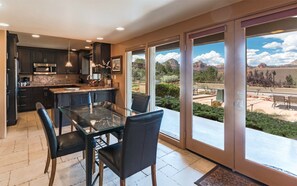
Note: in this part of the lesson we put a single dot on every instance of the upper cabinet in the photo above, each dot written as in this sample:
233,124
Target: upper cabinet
101,51
41,55
25,63
62,58
79,60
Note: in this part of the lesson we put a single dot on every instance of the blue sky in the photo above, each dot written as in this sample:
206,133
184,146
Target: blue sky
274,50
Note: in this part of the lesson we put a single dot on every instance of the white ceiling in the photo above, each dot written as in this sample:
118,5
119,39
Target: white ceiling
89,19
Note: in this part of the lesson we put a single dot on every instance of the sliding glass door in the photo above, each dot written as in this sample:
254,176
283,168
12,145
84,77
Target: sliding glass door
266,87
209,131
165,85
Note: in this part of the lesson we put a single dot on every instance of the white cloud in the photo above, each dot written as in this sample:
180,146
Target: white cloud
254,58
134,57
285,50
172,55
211,58
289,40
273,45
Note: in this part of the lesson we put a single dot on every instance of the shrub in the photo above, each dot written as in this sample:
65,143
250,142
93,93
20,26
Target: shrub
259,121
216,104
170,79
164,89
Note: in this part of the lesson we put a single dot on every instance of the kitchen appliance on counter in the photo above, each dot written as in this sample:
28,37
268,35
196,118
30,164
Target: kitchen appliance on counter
44,68
24,81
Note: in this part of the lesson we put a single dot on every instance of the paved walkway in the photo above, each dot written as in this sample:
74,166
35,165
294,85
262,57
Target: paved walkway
271,150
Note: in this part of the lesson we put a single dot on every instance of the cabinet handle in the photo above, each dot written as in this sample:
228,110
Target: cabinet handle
23,105
23,90
23,96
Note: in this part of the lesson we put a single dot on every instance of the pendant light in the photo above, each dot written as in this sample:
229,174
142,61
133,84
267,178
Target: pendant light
68,64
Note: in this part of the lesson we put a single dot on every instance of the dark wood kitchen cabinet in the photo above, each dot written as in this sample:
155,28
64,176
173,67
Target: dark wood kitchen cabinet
62,58
25,63
41,55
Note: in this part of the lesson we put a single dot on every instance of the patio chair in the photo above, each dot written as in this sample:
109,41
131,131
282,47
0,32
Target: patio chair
291,99
278,99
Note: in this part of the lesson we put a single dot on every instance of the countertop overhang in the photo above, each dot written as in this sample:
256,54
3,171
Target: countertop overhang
80,89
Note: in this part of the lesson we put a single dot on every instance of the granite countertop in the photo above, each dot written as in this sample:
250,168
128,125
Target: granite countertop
85,88
55,85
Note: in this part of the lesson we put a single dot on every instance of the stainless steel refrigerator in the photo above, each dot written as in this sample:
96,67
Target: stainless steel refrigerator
11,79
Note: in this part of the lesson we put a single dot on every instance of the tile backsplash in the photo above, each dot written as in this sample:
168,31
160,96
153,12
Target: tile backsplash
53,79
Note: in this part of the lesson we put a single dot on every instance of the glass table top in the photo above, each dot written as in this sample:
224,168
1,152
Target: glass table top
101,117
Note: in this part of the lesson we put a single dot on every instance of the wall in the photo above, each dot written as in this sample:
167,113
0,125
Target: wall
3,83
235,11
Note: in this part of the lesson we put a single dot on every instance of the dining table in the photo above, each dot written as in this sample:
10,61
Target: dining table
95,120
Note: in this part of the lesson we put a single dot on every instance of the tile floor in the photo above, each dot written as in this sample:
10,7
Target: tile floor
23,155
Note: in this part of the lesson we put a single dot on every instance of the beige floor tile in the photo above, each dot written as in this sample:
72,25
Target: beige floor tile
69,173
187,176
4,178
162,179
13,166
203,165
25,174
169,170
37,156
166,147
44,180
178,160
13,158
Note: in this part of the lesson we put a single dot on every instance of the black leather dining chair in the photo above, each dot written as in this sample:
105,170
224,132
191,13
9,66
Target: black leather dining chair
138,149
58,146
139,104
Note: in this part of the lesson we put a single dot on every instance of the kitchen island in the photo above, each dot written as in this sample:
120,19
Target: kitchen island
78,96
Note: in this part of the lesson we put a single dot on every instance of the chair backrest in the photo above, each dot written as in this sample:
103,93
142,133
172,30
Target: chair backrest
140,102
48,129
80,99
140,142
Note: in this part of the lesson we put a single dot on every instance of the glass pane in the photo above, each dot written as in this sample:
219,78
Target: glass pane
138,72
208,90
271,97
167,74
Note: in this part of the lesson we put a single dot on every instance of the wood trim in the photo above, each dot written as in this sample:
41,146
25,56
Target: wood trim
270,17
164,41
135,48
3,43
207,32
171,140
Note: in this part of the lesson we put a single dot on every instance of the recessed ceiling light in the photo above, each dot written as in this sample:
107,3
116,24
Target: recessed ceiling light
120,28
35,35
0,4
73,49
4,24
87,47
100,38
88,41
277,31
295,16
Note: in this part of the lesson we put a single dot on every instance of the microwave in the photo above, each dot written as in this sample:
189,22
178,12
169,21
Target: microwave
44,68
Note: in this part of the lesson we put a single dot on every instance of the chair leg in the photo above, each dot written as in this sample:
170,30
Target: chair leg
93,163
84,154
154,179
123,182
53,172
107,138
47,161
100,173
71,127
